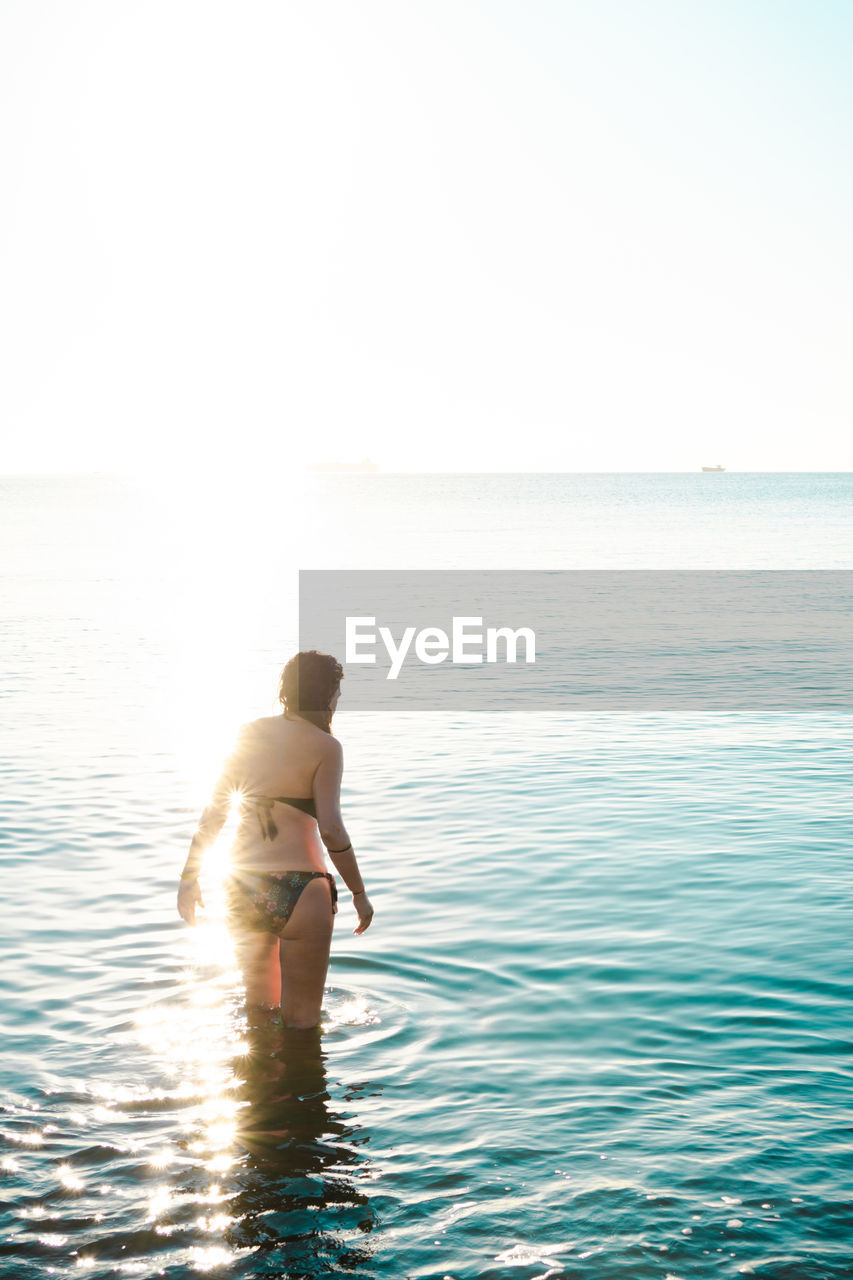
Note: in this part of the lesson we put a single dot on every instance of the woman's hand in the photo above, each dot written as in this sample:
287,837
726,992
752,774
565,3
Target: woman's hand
361,902
189,897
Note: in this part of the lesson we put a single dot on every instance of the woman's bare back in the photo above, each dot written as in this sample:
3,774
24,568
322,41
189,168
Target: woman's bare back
276,757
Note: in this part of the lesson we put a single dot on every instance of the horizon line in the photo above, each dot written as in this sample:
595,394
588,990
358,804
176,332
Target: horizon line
98,473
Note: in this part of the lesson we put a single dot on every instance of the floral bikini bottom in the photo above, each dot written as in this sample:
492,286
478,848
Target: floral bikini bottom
263,903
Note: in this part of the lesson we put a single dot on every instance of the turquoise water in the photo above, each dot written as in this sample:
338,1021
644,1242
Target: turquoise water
601,1025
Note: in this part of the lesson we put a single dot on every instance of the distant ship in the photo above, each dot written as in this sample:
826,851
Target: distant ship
716,468
364,465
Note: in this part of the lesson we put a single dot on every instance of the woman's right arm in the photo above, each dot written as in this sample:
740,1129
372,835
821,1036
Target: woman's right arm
327,802
210,824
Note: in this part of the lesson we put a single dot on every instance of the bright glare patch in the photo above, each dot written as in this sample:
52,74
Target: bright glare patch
216,1222
212,943
207,1259
69,1178
220,1135
523,1255
355,1013
220,1108
159,1201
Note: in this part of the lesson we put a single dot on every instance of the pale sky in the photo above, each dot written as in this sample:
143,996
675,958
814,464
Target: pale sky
507,235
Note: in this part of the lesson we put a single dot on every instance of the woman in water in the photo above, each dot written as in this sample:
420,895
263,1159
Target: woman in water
285,773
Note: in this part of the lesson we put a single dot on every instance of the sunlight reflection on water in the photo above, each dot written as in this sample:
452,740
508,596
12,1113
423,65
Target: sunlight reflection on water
604,1004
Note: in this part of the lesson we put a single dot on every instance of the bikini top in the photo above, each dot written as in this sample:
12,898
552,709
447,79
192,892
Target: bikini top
263,808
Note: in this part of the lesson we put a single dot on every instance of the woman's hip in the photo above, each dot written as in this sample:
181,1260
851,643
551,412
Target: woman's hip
263,901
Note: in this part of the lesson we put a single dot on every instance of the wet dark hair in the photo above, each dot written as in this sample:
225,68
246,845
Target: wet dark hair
307,686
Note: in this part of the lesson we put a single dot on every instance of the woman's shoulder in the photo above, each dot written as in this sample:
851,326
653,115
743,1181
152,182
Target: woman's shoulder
275,728
252,742
250,729
259,725
330,746
251,734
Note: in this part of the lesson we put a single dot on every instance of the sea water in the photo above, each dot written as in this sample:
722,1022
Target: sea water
600,1025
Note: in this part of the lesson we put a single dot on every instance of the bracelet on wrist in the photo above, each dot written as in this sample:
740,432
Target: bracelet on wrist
359,893
346,846
186,876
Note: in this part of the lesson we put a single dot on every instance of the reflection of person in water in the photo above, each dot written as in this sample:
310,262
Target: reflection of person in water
285,773
298,1153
